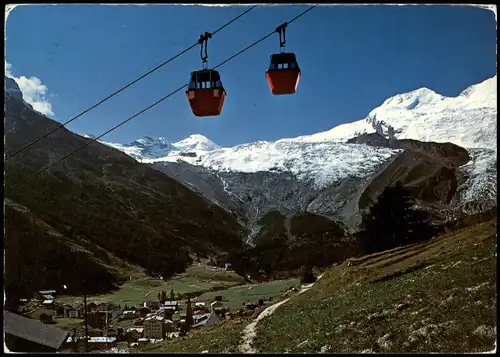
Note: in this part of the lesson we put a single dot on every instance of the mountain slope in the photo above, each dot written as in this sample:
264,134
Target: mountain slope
104,196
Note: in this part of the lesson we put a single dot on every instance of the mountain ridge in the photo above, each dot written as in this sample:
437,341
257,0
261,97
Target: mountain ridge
421,114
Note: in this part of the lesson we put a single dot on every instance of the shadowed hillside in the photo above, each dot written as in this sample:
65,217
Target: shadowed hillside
282,250
427,169
102,195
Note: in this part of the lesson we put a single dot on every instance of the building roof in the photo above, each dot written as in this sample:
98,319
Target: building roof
34,331
155,317
213,318
102,339
98,302
48,297
47,292
47,301
38,312
171,303
199,304
138,329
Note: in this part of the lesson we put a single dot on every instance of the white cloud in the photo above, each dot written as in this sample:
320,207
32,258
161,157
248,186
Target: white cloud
8,67
34,91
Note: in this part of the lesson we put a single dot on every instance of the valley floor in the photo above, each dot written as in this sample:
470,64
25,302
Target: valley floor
196,279
438,296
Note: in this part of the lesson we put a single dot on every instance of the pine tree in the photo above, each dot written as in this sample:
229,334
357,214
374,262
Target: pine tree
163,297
307,275
172,294
392,222
189,314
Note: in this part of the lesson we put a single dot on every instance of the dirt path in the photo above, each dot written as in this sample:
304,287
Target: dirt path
249,333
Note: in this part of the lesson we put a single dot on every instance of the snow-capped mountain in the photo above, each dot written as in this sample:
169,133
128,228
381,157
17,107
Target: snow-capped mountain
328,174
147,148
468,120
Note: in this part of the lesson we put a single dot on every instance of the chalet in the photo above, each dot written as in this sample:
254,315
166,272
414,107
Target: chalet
102,306
164,313
63,310
209,320
91,307
129,315
75,313
171,305
200,318
143,311
200,308
48,303
216,306
135,333
46,318
28,335
41,295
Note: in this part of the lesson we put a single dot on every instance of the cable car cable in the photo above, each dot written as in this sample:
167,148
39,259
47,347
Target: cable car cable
147,108
127,86
263,38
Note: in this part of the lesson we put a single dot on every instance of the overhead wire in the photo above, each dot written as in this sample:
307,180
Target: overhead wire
9,156
151,106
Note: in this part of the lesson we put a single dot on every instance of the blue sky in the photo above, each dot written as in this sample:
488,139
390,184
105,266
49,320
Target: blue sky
352,58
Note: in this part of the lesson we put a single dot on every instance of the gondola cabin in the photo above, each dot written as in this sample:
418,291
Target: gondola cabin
283,74
205,93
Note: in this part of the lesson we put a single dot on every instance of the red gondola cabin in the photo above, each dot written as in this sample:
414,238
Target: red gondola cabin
283,74
205,93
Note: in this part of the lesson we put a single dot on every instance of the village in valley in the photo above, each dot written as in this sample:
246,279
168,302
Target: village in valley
169,315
